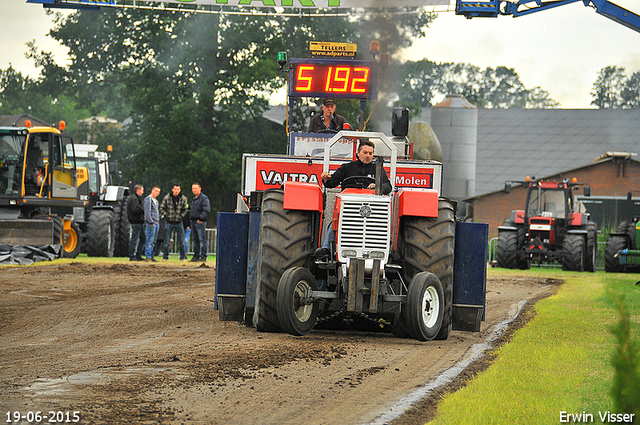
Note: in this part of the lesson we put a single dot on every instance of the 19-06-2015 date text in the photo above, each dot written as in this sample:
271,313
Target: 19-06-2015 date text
50,417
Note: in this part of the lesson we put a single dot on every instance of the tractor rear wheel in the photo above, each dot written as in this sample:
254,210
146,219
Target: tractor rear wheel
100,234
425,306
611,262
285,242
428,244
122,228
574,249
296,316
631,232
592,247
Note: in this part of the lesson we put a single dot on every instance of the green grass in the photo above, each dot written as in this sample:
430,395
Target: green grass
560,361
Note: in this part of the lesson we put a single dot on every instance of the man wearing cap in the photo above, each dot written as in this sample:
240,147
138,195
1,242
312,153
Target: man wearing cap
328,120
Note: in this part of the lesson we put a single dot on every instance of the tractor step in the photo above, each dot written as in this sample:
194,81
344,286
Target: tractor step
629,256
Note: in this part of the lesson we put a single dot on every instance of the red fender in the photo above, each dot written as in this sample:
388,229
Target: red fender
418,202
579,219
302,196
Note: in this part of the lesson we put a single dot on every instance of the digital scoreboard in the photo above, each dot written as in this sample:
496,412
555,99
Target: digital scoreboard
349,79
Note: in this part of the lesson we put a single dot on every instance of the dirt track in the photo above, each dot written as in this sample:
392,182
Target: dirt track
141,343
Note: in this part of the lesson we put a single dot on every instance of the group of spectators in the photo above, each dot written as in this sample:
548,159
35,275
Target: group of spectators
144,214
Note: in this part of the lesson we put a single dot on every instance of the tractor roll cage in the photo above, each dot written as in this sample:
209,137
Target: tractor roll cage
354,136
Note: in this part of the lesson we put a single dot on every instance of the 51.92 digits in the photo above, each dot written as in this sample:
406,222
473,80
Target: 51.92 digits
343,79
51,417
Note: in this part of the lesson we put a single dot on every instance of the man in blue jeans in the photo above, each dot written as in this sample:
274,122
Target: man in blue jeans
200,209
174,208
152,222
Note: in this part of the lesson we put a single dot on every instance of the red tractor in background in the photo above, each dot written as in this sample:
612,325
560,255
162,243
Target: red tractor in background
552,227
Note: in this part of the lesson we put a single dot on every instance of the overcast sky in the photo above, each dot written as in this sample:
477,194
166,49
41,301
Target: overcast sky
560,50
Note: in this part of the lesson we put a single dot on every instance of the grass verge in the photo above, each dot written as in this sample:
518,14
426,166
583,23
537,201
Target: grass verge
559,362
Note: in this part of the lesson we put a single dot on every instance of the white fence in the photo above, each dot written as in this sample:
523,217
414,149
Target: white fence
211,243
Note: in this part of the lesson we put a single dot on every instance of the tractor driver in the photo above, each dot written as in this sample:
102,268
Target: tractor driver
363,166
328,120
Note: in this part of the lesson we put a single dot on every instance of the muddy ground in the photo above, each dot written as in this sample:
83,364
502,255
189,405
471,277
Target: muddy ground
141,343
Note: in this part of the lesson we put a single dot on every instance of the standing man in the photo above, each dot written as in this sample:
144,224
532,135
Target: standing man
328,119
200,209
174,208
135,214
152,221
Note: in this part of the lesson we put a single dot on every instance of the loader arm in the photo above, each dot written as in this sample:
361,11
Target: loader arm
493,8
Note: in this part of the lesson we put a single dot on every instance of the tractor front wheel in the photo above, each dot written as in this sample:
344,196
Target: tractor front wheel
506,249
69,237
100,234
428,244
425,306
296,313
574,249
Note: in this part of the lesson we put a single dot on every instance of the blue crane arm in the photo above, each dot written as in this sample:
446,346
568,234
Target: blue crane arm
493,8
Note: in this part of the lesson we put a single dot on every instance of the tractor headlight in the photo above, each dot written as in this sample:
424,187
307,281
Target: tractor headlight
376,254
349,253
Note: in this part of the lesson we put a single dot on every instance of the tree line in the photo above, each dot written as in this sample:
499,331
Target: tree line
613,89
191,89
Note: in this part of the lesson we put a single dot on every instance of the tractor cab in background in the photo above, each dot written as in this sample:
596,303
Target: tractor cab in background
552,227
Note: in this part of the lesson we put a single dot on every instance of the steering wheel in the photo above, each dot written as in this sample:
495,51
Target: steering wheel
361,182
327,130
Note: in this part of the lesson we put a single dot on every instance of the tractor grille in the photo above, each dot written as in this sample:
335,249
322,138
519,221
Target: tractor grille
369,232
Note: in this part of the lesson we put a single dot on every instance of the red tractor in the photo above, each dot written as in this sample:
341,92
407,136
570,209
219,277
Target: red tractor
552,227
392,261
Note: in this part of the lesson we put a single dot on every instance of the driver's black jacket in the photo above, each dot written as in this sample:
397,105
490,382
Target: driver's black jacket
356,168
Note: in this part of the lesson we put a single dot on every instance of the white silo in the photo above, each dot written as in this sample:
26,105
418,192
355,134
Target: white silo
455,122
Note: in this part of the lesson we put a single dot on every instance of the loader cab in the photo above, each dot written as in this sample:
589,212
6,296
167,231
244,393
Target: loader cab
50,165
38,162
12,143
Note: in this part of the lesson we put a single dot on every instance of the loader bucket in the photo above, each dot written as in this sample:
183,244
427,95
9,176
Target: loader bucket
26,232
